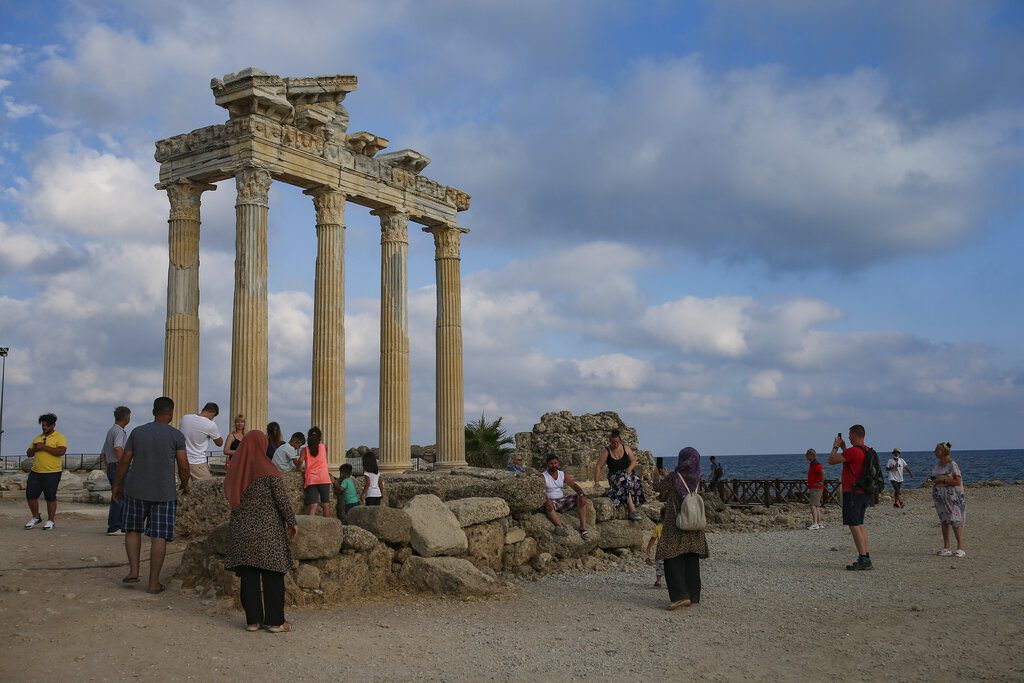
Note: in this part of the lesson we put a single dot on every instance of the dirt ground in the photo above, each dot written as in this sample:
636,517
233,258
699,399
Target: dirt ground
776,605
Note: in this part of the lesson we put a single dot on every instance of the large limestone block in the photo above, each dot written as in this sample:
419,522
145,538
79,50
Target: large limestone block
358,539
603,508
97,484
435,530
217,539
307,576
485,545
523,493
484,473
448,576
470,511
386,523
318,537
518,554
515,535
202,508
96,475
621,534
401,488
69,482
578,440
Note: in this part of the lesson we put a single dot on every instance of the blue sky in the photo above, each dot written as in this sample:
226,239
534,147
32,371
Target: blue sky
742,226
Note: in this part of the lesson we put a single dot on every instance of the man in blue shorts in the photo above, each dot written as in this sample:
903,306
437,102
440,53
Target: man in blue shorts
46,451
855,500
150,501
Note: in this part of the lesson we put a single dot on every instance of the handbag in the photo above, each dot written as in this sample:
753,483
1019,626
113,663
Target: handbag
691,513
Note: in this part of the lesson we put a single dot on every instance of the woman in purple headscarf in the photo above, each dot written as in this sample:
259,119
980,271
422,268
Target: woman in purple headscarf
680,550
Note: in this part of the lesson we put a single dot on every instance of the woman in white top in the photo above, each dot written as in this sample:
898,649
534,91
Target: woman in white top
373,489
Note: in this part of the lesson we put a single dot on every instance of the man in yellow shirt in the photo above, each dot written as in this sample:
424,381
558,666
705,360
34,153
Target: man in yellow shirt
46,452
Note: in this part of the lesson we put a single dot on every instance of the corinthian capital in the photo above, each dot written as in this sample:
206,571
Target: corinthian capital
329,203
253,184
184,196
394,225
447,239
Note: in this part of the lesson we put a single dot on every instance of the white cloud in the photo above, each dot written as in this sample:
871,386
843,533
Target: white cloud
18,250
764,384
614,370
714,326
16,110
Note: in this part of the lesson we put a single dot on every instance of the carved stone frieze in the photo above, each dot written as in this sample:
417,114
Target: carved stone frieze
253,183
394,225
457,198
329,204
406,159
366,143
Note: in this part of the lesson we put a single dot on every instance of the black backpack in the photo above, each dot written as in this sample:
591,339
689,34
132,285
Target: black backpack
871,481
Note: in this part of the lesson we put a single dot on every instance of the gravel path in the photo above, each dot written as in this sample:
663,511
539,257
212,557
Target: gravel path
775,604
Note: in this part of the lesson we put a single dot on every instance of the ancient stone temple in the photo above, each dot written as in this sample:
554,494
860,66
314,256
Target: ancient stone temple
295,130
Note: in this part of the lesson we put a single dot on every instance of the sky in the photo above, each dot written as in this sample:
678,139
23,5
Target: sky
741,226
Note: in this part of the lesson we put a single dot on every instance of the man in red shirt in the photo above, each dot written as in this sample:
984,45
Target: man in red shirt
815,487
855,500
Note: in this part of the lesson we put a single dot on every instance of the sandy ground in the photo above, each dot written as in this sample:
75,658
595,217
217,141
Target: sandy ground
776,605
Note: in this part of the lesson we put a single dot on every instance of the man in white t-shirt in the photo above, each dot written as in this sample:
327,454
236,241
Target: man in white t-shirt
199,429
895,467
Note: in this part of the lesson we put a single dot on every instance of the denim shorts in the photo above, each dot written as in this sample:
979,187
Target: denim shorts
854,505
42,483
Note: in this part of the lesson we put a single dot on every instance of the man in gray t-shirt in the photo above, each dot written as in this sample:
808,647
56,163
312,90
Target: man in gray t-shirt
110,455
150,501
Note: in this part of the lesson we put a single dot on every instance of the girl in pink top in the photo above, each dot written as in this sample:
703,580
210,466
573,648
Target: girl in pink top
313,461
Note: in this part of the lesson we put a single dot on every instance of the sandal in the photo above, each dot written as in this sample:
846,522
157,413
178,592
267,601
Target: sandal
961,553
585,535
130,579
252,628
945,552
685,602
159,590
283,628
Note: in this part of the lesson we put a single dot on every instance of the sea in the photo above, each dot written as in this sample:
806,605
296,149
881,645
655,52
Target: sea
1007,465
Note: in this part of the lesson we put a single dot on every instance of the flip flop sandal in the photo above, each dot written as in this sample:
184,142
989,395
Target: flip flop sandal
159,590
585,535
130,579
252,628
283,628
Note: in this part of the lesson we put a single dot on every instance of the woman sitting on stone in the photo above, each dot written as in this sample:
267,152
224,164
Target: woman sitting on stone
624,486
262,521
681,550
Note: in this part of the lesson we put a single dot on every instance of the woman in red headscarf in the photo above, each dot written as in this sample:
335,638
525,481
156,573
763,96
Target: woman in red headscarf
681,550
262,521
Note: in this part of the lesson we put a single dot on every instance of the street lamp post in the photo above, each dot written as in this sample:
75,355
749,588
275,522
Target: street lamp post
3,377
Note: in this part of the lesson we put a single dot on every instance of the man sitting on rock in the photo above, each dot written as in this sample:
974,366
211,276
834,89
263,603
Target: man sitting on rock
555,481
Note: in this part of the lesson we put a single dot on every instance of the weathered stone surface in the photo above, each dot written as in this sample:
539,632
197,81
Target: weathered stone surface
523,493
217,539
470,511
621,534
357,538
652,511
98,484
386,523
307,576
515,535
205,506
435,530
518,554
542,562
447,575
483,473
604,509
578,440
318,537
485,545
69,481
96,475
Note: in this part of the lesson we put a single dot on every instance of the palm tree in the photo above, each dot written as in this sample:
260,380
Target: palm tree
486,443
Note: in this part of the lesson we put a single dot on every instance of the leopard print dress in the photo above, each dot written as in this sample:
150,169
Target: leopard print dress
258,530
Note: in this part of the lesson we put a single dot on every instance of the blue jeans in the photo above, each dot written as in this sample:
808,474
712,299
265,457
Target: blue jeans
114,514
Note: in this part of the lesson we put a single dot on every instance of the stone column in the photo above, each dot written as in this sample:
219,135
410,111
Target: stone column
249,316
394,441
451,439
328,398
181,339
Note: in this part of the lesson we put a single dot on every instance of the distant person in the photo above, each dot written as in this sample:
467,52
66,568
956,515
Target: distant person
110,454
199,430
680,550
624,485
815,487
234,439
659,565
262,521
150,501
948,496
855,500
46,451
316,477
286,457
516,465
373,488
896,466
555,481
345,487
274,439
717,484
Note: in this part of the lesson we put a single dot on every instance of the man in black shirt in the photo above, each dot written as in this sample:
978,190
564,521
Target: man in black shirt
717,475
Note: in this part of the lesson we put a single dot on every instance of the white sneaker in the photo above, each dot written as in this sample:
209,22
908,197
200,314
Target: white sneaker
944,553
31,524
48,525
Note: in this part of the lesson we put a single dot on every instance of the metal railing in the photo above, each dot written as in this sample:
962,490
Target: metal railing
769,492
87,461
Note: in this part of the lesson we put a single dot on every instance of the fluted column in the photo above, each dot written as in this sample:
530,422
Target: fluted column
395,442
328,399
249,317
451,439
181,339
